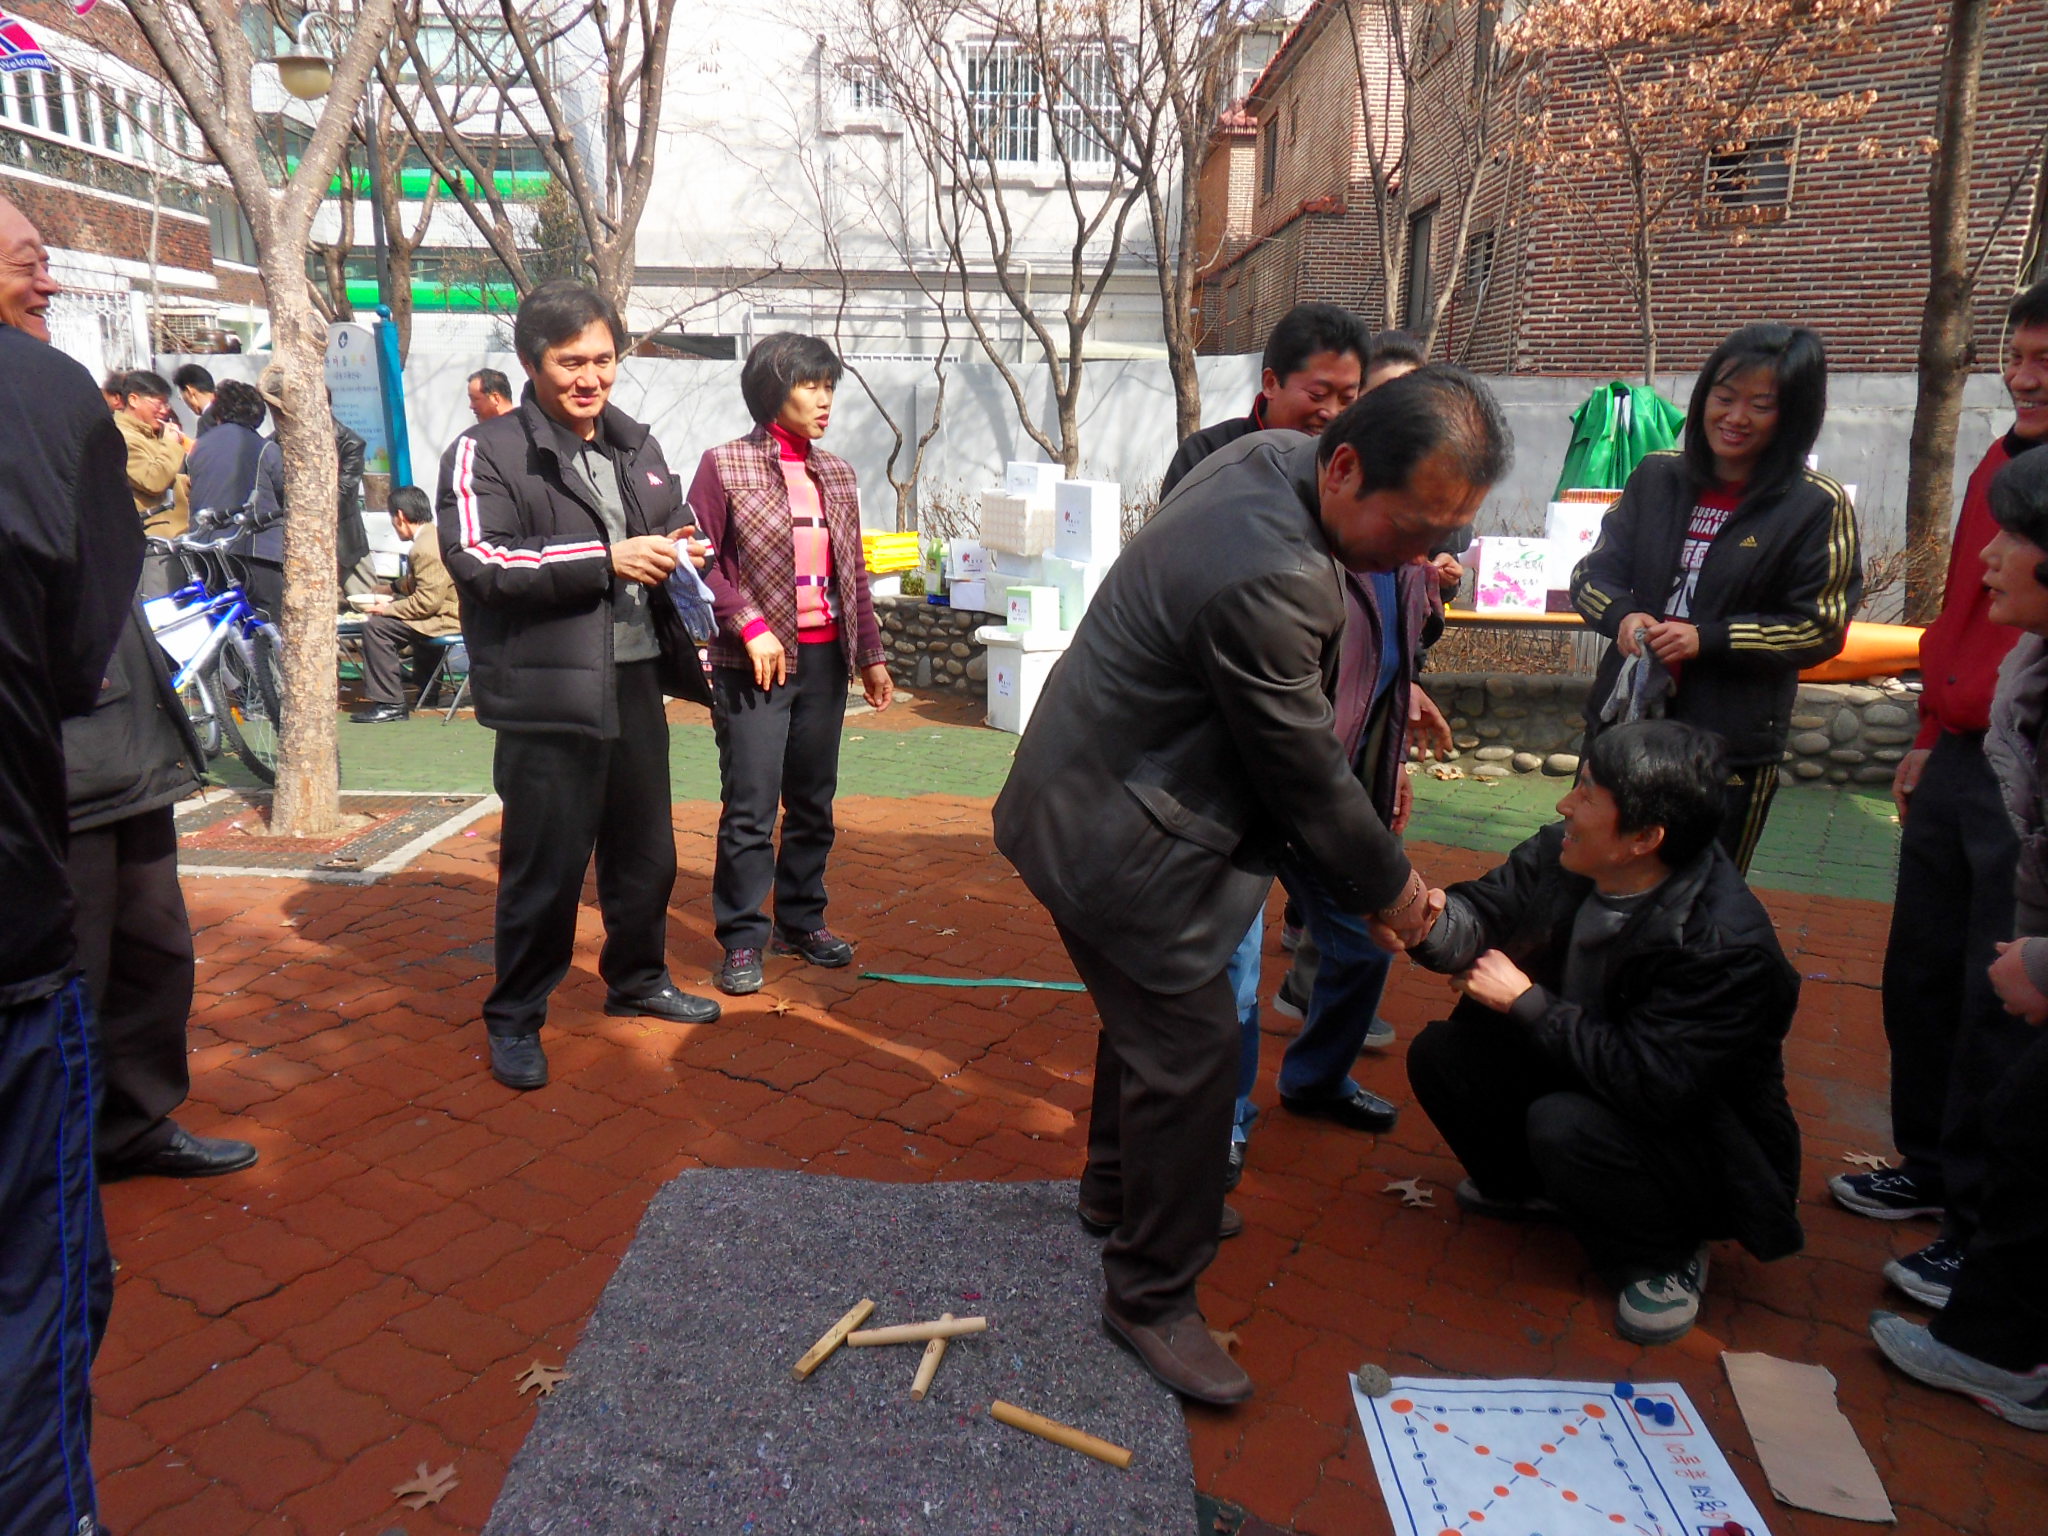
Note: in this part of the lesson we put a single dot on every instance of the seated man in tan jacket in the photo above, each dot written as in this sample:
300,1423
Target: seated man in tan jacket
424,610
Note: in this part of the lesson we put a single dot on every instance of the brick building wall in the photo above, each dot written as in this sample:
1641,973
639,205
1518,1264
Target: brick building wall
1847,256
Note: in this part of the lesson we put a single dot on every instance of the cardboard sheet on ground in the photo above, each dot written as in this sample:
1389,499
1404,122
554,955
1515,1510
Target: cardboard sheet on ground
1809,1451
1550,1458
679,1414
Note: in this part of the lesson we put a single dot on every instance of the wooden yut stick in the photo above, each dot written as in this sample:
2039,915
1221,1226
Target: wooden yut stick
928,1367
1059,1434
834,1337
918,1333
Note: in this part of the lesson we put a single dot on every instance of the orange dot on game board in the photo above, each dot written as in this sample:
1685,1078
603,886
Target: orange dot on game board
1499,1492
1619,1519
1571,1429
1477,1517
1550,1450
1595,1411
1442,1429
1402,1405
1482,1450
1570,1497
1525,1469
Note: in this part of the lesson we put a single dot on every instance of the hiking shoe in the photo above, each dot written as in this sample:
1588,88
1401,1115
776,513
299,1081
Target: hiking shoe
1287,1003
820,946
1471,1197
1663,1307
1379,1036
1290,936
1928,1275
2018,1397
740,974
1885,1194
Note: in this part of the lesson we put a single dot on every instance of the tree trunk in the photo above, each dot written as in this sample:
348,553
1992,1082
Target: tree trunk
1945,329
307,801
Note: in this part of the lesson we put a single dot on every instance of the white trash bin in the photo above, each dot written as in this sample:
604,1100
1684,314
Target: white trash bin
1019,661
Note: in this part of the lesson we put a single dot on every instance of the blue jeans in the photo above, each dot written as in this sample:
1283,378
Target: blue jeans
54,1268
1347,992
1242,973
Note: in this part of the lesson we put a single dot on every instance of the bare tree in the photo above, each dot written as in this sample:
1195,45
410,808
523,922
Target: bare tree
208,59
477,71
1652,90
991,97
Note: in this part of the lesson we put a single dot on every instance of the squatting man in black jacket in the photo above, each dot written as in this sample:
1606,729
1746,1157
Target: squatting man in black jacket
1616,1060
560,521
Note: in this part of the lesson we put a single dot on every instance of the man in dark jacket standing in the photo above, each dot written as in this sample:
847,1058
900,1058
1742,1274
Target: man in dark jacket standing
1617,1058
70,555
1184,745
560,522
128,764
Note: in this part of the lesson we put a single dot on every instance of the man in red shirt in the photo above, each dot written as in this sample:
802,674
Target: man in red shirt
1951,1039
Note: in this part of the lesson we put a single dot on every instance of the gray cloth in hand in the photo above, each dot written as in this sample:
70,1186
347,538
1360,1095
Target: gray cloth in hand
1639,692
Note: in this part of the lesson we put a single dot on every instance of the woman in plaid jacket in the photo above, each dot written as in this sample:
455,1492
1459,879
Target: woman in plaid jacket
790,591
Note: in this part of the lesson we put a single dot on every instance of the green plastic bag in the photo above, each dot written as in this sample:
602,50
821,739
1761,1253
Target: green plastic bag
1615,430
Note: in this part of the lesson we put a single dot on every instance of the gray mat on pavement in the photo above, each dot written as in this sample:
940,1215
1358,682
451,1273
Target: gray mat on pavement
680,1414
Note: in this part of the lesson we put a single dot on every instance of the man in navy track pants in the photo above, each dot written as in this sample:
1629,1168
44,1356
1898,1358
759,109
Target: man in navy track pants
70,557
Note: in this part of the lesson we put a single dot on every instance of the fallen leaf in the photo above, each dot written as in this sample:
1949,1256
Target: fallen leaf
426,1487
947,932
1446,771
1412,1192
1868,1160
1224,1341
782,1005
541,1378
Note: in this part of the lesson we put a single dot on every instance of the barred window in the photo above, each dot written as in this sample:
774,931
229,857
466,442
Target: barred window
1086,113
1004,92
1756,175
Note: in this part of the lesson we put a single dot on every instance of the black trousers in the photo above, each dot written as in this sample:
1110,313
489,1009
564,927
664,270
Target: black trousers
263,585
1158,1130
135,947
383,682
1523,1124
1998,1310
567,796
776,749
1951,1039
1746,806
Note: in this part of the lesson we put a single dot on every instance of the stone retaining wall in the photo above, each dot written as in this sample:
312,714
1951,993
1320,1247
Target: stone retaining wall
1842,733
931,646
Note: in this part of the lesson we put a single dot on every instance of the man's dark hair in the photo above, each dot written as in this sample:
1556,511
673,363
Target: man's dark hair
1308,329
192,376
2029,308
778,364
1799,363
1405,420
492,382
560,310
113,385
412,504
238,404
143,382
1663,773
1397,347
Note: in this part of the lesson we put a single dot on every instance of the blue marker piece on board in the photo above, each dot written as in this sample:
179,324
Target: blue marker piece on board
1624,1390
1666,1414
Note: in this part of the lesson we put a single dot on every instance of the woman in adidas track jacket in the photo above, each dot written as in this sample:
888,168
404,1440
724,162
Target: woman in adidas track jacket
1731,562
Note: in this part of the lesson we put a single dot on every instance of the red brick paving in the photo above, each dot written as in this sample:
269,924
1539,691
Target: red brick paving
290,1343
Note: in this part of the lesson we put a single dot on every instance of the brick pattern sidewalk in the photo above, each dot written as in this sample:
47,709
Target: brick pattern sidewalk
290,1343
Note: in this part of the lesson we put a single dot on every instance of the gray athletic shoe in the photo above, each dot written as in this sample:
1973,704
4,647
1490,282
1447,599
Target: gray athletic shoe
1662,1307
2018,1397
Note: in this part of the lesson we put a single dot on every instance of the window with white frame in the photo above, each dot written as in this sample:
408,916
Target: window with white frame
1087,115
1004,94
1016,116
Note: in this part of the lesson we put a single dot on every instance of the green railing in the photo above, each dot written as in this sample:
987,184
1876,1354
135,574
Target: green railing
445,298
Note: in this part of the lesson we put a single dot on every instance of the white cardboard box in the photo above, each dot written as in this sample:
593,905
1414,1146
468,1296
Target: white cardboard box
965,560
1077,582
1090,514
1010,522
1034,482
1015,569
1018,665
970,594
1035,610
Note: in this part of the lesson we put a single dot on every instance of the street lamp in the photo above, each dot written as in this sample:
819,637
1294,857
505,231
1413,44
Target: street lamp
307,75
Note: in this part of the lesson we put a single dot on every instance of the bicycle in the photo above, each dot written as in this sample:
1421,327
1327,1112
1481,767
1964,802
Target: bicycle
230,673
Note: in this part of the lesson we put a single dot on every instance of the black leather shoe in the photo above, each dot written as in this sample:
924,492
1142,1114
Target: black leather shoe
669,1003
1233,1171
740,974
1101,1222
1357,1111
378,714
820,946
186,1156
1183,1354
517,1061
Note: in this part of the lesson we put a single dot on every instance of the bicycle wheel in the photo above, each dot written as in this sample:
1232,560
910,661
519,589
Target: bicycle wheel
204,713
249,683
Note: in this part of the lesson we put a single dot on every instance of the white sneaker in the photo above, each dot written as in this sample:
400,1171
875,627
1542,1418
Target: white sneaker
1662,1307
